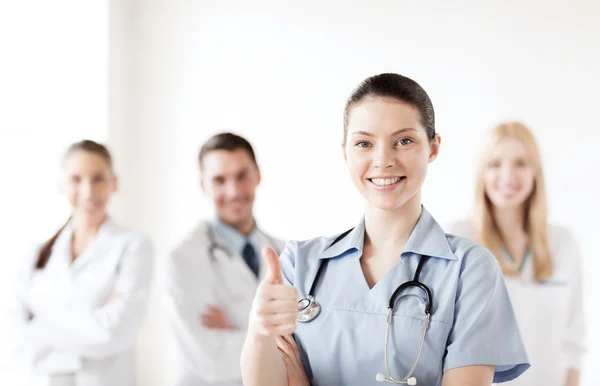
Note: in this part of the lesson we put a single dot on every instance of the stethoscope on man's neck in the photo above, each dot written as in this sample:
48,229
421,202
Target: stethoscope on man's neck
214,244
308,309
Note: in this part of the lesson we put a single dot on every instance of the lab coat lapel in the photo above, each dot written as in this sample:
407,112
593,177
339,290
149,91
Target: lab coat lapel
235,260
97,247
61,256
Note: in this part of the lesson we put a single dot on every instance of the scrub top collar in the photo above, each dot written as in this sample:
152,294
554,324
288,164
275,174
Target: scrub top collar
426,239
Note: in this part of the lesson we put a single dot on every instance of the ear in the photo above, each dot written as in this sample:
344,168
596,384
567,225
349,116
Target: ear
435,147
344,152
202,184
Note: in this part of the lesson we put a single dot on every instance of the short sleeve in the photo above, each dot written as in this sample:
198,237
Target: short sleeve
485,330
287,259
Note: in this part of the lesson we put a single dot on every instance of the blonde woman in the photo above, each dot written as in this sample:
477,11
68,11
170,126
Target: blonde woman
540,262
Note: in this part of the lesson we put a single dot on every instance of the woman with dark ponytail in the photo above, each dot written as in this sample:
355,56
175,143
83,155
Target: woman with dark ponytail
81,296
394,299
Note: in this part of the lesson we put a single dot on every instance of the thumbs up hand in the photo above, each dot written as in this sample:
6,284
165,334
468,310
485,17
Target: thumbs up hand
274,308
273,266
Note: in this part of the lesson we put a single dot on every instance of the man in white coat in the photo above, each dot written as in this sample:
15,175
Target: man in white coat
213,273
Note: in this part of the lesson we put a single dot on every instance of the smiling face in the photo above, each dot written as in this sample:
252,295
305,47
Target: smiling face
387,151
88,184
509,176
230,179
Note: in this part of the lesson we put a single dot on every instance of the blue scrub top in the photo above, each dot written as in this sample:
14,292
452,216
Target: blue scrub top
472,320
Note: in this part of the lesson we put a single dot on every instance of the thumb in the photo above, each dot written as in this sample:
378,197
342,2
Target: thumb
274,268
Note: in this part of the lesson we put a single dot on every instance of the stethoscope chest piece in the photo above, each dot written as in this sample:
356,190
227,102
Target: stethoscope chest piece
307,309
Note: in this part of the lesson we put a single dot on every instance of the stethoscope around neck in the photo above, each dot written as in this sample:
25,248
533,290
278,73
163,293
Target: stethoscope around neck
308,309
214,245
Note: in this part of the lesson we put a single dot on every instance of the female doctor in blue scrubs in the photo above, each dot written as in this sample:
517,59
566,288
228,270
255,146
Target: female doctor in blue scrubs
452,324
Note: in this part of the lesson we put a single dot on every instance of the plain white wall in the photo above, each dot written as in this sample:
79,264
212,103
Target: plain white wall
53,91
279,74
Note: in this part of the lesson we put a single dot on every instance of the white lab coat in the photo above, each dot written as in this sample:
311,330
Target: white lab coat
208,356
550,314
77,336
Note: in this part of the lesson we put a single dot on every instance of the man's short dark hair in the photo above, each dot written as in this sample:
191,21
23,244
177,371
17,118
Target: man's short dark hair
226,141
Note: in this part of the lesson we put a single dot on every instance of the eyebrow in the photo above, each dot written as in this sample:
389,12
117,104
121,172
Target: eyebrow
368,134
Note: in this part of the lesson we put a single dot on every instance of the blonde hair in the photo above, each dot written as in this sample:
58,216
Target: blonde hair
486,232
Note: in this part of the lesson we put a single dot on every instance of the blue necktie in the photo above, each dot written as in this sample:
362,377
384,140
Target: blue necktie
249,256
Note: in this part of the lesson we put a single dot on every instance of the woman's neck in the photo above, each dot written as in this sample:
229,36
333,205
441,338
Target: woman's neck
386,234
510,223
389,230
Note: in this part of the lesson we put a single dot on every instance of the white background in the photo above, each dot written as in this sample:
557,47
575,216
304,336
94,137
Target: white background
279,74
54,84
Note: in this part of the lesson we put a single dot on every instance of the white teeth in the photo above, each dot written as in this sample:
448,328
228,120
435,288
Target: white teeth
385,181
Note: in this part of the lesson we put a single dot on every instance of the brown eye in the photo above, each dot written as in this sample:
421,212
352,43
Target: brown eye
494,164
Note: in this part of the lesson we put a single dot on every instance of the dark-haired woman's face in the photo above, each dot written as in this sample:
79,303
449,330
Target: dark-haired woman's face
387,151
88,185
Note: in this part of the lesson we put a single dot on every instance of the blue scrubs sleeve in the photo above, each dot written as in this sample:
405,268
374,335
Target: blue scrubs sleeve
287,259
485,330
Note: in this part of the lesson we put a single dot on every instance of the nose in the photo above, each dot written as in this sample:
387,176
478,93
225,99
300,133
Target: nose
507,173
232,189
384,157
85,189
